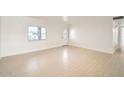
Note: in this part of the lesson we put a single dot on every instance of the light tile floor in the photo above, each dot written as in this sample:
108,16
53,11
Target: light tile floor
64,61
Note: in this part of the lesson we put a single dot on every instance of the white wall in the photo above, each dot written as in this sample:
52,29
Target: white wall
87,32
14,35
92,32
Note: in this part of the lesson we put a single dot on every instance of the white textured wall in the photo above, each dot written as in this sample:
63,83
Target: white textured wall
14,35
92,32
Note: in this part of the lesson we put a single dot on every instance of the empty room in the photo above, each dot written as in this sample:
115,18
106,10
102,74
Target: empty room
62,46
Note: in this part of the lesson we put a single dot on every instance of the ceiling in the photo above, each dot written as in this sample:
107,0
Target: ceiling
72,19
52,18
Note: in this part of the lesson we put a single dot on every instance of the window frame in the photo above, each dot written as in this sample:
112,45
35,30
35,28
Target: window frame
45,34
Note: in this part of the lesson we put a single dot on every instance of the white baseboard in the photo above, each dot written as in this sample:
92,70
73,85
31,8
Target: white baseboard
81,46
0,58
54,45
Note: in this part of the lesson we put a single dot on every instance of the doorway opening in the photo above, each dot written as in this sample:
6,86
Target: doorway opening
118,35
121,39
66,34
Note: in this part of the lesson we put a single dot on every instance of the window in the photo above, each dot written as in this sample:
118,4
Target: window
36,33
43,33
33,33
